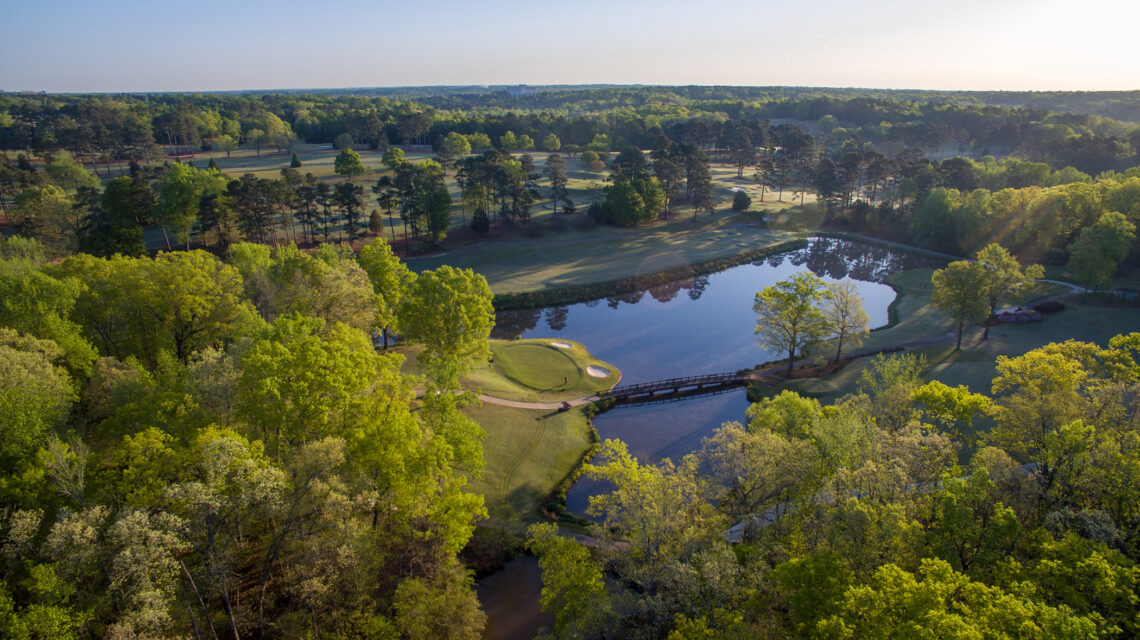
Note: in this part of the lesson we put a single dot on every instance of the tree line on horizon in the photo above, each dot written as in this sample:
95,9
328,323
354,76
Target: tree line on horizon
1038,209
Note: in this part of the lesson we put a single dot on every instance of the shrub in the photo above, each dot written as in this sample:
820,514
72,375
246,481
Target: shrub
480,223
741,201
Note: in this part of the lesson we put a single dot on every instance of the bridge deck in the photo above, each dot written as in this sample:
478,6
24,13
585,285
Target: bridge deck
677,385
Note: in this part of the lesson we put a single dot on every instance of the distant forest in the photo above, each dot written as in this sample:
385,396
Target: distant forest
1093,132
946,170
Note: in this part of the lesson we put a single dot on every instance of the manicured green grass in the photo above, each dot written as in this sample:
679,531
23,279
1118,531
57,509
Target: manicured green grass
973,365
537,371
527,454
536,365
572,258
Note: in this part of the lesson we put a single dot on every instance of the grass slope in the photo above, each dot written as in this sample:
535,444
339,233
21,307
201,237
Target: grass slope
973,365
527,453
535,370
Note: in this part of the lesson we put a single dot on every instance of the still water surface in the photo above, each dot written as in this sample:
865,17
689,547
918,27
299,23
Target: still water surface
691,327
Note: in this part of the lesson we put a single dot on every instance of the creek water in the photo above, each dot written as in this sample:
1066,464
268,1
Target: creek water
690,327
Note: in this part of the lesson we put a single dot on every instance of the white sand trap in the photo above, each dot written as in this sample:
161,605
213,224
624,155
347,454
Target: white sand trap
598,372
560,345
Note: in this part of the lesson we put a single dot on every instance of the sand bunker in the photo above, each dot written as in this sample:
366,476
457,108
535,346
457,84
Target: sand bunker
598,372
560,345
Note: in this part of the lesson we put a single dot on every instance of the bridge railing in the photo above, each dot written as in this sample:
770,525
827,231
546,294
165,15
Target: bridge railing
671,383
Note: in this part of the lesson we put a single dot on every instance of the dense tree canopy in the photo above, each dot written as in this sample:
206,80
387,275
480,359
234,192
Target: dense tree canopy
206,445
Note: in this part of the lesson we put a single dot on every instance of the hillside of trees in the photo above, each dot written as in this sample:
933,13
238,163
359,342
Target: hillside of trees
855,520
202,448
214,440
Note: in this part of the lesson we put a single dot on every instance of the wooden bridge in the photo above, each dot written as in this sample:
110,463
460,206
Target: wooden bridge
663,389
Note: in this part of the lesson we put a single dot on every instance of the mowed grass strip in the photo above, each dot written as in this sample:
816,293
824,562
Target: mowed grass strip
527,453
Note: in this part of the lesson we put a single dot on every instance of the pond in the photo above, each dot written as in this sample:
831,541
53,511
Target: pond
690,327
705,324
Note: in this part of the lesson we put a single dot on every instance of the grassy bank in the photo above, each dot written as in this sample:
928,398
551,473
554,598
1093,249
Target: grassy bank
914,318
593,291
541,370
532,456
606,254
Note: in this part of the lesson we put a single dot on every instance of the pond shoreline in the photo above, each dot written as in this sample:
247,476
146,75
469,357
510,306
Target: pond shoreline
583,293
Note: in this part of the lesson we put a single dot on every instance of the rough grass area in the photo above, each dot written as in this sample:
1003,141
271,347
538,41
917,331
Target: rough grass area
536,371
527,453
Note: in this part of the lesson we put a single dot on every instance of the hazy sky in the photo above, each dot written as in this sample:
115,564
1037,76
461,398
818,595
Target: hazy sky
161,45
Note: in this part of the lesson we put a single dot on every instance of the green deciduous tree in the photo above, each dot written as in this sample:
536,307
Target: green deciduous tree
226,143
662,510
348,163
393,158
573,585
179,195
457,144
449,312
300,384
953,409
758,467
479,141
788,316
36,396
40,305
390,279
1100,248
939,602
960,290
1004,276
843,308
68,174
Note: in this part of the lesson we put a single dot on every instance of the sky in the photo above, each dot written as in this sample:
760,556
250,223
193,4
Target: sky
161,45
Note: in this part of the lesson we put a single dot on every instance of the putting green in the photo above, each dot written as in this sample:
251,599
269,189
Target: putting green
538,366
541,370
